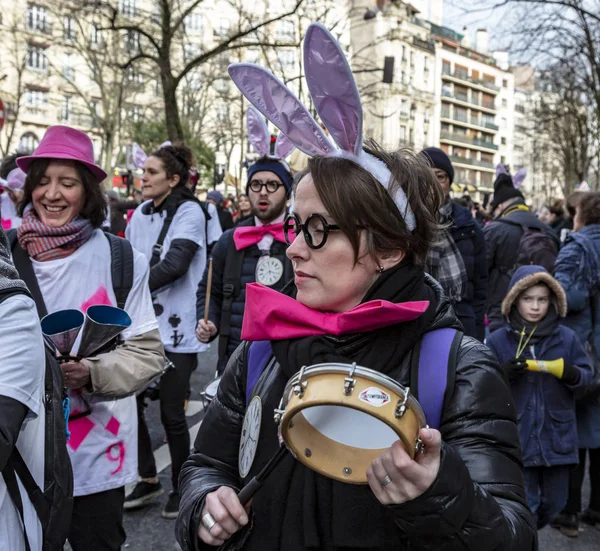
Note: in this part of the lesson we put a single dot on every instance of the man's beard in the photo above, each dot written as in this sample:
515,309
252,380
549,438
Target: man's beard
274,211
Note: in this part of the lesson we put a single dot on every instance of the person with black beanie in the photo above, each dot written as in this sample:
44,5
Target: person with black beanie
503,237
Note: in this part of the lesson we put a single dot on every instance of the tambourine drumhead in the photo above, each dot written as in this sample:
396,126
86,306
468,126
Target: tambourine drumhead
338,433
211,390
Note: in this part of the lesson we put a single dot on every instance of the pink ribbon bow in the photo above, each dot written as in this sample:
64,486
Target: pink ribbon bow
270,315
246,236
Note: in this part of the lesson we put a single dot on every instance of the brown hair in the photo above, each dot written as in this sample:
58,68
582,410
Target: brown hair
177,159
94,205
589,208
573,200
354,198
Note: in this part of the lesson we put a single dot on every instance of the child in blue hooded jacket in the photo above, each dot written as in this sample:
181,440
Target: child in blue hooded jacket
531,337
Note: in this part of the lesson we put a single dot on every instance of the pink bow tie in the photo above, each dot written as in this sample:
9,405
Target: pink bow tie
246,236
270,315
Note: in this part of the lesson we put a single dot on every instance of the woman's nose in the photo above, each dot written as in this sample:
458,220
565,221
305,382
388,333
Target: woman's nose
52,191
298,248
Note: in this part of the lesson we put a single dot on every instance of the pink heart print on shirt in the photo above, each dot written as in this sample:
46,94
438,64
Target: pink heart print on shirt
6,223
100,297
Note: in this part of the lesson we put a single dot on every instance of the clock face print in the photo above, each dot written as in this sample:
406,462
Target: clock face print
268,270
249,439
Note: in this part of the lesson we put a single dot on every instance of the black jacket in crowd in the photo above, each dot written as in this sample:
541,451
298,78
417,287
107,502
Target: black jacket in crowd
502,239
251,256
468,237
476,503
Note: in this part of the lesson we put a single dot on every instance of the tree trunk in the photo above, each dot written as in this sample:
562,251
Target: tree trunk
107,157
174,127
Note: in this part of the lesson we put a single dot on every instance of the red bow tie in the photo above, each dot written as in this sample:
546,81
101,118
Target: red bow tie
270,315
246,236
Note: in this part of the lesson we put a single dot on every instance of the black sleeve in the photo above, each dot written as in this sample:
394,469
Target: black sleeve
13,415
175,263
480,283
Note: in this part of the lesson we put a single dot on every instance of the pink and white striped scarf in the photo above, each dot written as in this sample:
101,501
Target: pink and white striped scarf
43,242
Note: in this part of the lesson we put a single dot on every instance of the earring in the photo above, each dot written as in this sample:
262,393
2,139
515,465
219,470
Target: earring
381,269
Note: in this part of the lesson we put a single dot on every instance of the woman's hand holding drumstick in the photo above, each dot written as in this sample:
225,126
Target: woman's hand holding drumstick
206,329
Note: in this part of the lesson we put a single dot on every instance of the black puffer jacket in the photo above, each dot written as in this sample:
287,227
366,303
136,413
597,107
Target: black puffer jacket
251,256
476,503
468,236
502,239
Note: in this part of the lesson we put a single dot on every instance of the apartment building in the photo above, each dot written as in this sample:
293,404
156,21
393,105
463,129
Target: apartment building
475,99
393,57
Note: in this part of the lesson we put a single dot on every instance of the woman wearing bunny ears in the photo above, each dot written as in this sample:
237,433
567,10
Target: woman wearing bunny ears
359,230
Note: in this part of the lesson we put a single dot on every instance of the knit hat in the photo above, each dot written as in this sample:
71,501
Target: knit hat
269,164
504,190
438,159
215,196
528,276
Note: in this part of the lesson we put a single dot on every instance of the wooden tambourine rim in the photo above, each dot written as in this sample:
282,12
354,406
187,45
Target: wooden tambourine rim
369,377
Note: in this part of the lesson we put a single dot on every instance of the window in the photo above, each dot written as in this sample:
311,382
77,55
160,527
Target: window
425,64
191,51
222,29
133,75
127,8
68,67
505,83
28,142
94,106
285,31
95,34
36,98
134,113
503,122
37,19
66,109
446,68
194,22
222,112
252,56
504,102
69,30
287,58
403,53
132,42
403,133
36,58
222,85
412,58
503,141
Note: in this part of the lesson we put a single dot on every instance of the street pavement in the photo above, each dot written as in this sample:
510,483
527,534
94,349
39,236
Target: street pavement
148,531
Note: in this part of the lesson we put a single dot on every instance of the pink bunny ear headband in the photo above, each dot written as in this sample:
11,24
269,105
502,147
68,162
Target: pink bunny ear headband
139,155
336,99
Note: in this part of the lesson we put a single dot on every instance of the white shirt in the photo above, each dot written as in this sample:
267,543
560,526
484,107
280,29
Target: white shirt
265,243
8,211
103,445
22,371
174,304
214,230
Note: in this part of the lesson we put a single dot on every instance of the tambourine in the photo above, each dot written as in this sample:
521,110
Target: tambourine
337,418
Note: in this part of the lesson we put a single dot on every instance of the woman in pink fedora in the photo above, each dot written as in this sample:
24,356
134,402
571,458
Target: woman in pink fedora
62,209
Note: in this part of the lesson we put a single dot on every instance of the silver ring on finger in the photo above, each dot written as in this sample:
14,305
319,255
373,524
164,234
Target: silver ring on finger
385,480
208,521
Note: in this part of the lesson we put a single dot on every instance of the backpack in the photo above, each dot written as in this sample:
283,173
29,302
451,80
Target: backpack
536,247
433,369
54,503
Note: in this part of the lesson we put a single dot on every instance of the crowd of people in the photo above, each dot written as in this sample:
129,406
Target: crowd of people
294,264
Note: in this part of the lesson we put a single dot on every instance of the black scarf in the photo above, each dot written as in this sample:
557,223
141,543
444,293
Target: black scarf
298,509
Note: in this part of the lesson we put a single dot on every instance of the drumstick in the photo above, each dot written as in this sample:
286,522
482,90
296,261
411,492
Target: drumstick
208,286
254,485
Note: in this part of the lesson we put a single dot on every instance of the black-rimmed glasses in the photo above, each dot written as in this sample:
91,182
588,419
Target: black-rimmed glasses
257,186
315,229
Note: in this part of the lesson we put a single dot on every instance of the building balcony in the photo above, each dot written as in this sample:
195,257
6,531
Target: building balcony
473,103
475,142
457,159
469,122
428,45
463,78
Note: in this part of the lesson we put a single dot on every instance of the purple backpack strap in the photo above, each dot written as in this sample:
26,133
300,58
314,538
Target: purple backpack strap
258,357
438,352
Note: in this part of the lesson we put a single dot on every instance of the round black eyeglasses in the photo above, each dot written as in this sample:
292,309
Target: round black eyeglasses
257,186
315,229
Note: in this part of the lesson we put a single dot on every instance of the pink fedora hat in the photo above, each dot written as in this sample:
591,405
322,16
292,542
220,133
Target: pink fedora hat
64,142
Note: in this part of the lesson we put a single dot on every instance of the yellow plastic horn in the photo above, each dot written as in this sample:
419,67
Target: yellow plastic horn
554,367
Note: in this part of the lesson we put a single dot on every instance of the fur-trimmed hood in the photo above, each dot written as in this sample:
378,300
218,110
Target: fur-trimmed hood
528,276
